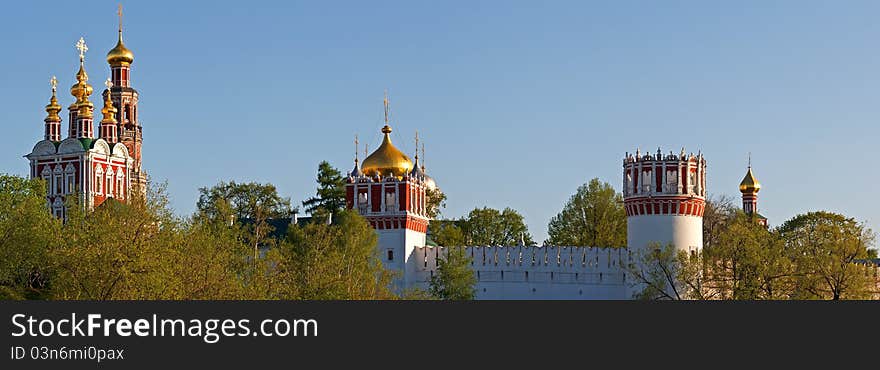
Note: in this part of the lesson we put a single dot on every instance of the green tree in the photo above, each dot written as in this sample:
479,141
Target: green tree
717,214
330,196
117,250
447,233
826,247
749,262
338,261
455,279
247,206
594,216
660,272
488,226
435,201
27,231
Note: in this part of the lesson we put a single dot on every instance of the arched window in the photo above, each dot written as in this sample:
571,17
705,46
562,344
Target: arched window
99,180
70,179
57,184
46,175
109,182
120,184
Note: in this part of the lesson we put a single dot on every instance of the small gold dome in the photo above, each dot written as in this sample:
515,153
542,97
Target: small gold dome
81,87
749,184
109,111
120,55
387,160
53,107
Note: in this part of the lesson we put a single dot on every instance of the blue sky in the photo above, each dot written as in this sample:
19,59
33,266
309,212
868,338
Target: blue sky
518,102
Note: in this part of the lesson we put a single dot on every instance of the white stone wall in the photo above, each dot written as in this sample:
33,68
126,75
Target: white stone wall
521,272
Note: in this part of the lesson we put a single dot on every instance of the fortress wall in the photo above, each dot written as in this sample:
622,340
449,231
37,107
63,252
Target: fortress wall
530,272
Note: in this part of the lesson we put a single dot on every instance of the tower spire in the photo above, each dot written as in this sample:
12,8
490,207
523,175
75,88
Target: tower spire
356,172
53,121
81,110
119,13
385,101
108,122
417,146
423,158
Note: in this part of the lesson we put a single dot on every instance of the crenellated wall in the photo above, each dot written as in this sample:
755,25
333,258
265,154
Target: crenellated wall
536,272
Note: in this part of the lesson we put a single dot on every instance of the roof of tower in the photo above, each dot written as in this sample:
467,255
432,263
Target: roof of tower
749,183
387,159
120,55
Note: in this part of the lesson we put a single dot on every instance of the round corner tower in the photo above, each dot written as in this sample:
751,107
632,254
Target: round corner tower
664,197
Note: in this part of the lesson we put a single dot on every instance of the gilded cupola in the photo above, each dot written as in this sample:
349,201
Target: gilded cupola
109,111
749,183
120,55
387,159
53,107
81,90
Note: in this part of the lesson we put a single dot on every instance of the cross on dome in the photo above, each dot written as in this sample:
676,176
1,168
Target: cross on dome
82,47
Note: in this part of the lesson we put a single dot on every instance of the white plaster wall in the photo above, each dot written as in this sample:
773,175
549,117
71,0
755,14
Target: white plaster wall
518,272
685,232
402,242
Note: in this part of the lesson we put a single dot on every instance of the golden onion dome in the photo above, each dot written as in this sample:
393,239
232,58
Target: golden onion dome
749,183
120,55
81,87
53,107
387,159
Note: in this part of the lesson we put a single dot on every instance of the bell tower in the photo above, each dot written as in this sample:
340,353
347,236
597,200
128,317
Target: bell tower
125,99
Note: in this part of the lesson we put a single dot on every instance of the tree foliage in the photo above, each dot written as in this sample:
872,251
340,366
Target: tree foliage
488,226
27,230
594,216
247,207
455,279
330,195
435,201
337,261
818,255
825,247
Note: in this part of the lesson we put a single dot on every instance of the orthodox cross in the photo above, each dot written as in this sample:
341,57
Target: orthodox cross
417,144
81,46
355,148
119,12
108,83
54,82
386,106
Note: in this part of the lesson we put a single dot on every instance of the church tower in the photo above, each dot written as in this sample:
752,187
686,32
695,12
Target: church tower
749,188
125,98
391,196
664,197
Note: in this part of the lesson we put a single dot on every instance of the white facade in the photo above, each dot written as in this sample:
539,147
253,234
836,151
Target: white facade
397,250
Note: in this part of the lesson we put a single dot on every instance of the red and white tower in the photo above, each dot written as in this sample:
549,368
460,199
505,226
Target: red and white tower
125,99
391,196
664,197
